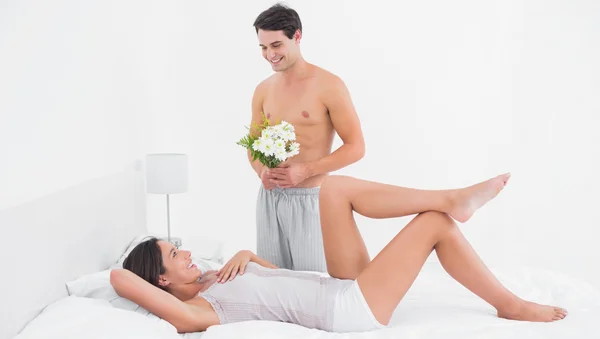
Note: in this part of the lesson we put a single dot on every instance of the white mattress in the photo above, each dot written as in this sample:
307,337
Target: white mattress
195,335
438,307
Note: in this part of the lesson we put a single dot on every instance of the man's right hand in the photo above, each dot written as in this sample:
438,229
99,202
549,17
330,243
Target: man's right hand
266,177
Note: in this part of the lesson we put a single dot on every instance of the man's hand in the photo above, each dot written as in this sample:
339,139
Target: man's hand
235,265
289,175
266,177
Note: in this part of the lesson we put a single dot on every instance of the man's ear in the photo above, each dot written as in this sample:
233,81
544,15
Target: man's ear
298,36
162,281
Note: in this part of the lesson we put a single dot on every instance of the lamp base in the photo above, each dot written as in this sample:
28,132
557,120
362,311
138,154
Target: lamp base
174,240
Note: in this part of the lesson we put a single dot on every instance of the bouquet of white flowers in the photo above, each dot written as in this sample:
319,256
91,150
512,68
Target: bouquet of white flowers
271,145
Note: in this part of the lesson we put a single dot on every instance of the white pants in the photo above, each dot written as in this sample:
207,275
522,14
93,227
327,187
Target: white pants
289,228
351,313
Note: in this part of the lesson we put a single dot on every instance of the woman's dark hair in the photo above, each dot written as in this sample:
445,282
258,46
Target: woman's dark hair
279,18
145,260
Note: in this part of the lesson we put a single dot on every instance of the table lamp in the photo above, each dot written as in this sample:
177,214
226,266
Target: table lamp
167,173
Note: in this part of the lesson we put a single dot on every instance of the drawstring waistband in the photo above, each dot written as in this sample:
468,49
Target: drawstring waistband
294,190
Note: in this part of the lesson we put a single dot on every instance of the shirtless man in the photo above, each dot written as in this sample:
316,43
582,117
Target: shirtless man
318,105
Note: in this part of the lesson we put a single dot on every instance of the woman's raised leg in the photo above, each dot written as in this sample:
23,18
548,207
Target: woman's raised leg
385,280
341,196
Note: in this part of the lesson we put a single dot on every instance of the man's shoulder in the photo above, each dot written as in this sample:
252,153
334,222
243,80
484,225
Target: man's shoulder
328,79
263,85
266,81
329,82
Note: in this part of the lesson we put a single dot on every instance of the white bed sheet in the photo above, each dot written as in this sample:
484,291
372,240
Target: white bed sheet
195,335
438,307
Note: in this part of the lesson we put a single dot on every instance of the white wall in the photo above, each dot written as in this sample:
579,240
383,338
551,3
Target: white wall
459,90
70,92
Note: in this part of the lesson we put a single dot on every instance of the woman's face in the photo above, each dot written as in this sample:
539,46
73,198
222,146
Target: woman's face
179,269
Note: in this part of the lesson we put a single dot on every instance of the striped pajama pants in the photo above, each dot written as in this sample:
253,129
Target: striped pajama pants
289,228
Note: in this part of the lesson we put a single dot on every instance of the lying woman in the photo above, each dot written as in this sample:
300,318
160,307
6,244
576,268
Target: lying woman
358,294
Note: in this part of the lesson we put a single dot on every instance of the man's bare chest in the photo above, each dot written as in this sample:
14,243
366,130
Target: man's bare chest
299,108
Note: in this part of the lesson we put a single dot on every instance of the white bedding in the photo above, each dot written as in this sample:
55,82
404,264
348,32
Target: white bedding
435,307
438,307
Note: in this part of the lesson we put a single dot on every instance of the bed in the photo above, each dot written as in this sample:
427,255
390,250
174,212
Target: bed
72,239
436,307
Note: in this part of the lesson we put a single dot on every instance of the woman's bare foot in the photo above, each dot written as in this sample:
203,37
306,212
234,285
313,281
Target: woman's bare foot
528,311
467,200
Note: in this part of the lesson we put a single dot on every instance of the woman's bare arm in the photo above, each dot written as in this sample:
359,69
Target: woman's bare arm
237,265
185,317
262,262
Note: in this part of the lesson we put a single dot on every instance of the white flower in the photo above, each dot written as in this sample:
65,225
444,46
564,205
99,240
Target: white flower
294,149
288,135
286,126
266,134
280,153
280,143
276,131
257,145
268,147
275,142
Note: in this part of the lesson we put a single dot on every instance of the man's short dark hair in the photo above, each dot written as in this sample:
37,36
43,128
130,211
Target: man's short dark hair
279,18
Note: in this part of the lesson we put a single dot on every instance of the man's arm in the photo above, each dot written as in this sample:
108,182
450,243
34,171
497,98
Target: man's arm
342,113
257,104
346,123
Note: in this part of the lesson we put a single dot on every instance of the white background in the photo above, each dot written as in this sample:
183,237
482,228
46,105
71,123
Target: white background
448,93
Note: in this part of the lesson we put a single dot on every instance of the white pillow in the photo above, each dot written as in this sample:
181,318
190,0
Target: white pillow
97,286
77,318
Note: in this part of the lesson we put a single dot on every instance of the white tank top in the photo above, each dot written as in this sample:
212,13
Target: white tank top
302,298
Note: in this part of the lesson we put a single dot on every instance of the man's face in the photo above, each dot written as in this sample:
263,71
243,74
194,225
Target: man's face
280,51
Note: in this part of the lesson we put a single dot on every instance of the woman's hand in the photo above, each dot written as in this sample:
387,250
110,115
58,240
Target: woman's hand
235,265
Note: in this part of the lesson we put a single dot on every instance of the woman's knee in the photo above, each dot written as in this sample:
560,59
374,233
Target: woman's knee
333,182
332,186
438,222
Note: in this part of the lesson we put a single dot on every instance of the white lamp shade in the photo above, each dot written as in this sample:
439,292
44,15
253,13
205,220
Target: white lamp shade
166,173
